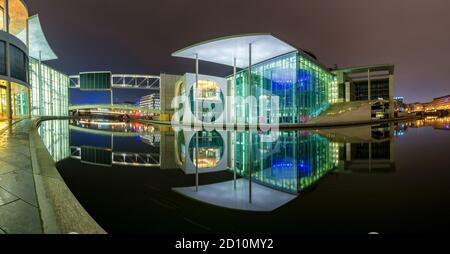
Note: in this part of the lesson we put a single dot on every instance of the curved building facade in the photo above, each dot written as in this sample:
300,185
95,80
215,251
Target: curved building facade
14,55
27,86
206,104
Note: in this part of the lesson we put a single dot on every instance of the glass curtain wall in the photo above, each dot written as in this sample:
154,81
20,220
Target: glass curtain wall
3,101
19,101
50,95
2,58
292,164
2,14
304,88
19,64
55,135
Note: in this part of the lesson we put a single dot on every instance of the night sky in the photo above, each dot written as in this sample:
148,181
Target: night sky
138,36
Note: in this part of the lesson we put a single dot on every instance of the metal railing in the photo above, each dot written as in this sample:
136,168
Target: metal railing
129,81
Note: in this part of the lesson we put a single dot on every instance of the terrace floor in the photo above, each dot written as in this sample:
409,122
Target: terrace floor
19,212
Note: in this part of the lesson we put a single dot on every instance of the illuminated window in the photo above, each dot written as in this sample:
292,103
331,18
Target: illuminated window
3,101
303,87
210,149
50,95
19,100
209,99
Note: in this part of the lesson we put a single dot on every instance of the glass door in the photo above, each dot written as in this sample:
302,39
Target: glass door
3,103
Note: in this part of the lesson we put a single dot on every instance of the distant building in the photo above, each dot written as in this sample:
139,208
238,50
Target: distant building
151,101
400,105
399,99
415,107
438,104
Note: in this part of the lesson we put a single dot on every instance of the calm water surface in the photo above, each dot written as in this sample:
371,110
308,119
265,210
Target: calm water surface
136,178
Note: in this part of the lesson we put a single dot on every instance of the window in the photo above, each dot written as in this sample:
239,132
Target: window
19,64
2,58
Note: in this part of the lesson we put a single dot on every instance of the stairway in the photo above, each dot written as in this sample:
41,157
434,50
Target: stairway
345,112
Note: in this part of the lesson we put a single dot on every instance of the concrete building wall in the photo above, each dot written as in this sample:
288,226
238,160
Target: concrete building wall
167,150
167,93
345,112
367,83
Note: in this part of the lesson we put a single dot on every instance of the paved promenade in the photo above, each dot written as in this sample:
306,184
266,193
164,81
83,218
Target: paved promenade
19,211
34,198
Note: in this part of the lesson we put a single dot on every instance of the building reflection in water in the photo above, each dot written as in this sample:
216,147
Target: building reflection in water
285,161
102,143
55,135
442,123
365,149
270,167
293,160
212,151
113,126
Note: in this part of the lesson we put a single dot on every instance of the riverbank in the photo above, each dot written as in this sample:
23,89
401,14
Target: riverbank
286,126
34,198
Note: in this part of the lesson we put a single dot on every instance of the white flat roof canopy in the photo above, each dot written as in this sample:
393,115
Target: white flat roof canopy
39,46
264,199
224,50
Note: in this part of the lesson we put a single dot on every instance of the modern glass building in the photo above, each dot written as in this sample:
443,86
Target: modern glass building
286,85
50,91
27,86
303,86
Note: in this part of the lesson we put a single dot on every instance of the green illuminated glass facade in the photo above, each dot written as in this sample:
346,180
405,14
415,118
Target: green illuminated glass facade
19,101
295,162
50,90
304,88
95,81
95,155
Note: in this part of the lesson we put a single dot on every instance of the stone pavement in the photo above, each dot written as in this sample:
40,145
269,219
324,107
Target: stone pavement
19,213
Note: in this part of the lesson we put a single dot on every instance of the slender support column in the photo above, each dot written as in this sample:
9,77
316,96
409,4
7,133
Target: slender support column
235,110
369,85
112,92
6,17
250,122
391,96
28,34
348,152
112,148
234,91
41,95
370,157
392,143
196,114
347,91
10,102
29,101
